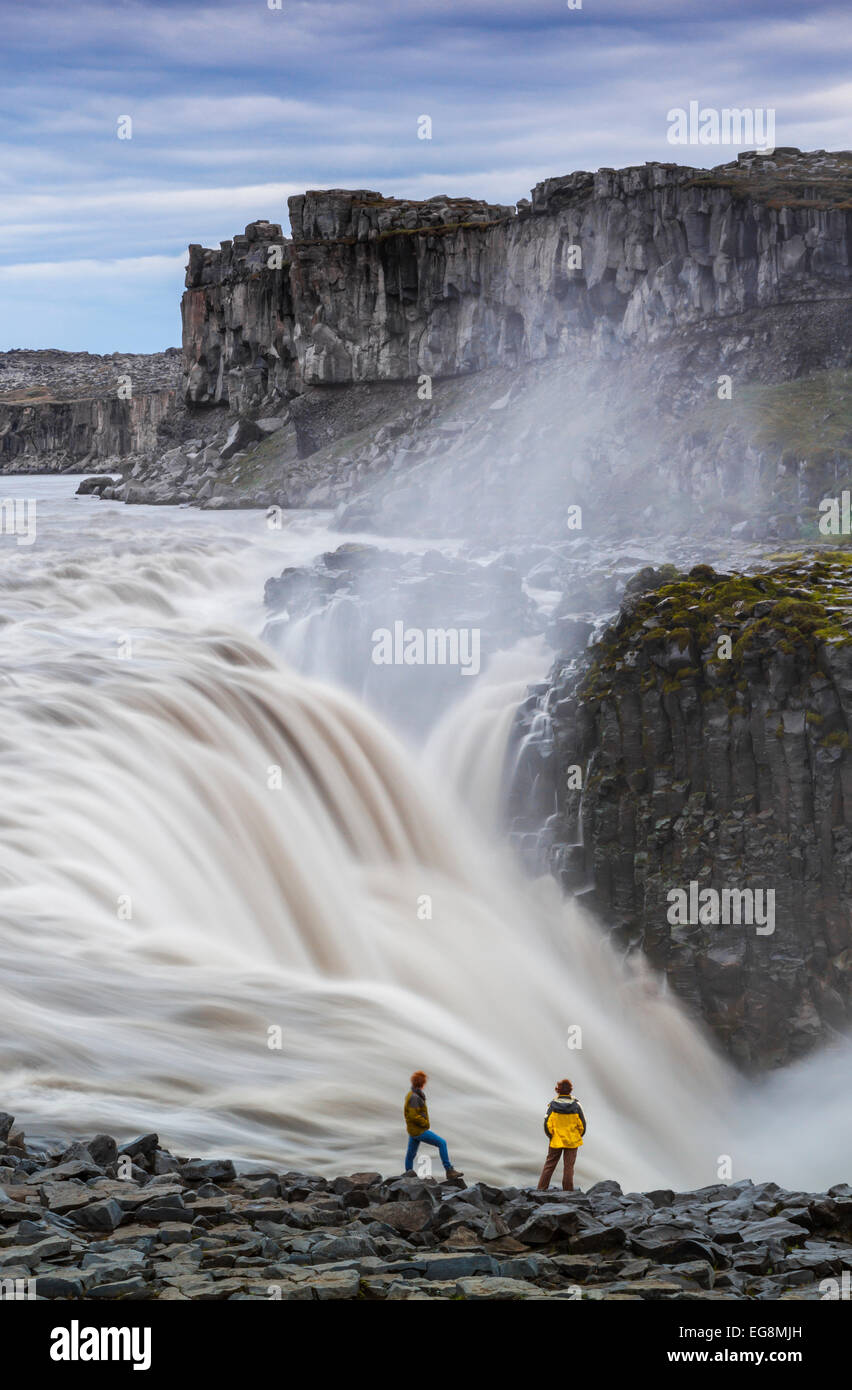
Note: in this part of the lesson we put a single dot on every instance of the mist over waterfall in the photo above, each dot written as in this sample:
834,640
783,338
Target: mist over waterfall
237,907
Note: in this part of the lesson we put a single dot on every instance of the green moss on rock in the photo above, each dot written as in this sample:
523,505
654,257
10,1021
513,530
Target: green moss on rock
791,610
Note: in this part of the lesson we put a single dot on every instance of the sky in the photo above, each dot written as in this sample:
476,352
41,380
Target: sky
236,104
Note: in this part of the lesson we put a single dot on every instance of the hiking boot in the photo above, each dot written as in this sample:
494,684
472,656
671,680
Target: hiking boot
453,1173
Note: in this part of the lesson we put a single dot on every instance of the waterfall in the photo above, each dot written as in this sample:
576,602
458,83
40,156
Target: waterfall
469,745
234,908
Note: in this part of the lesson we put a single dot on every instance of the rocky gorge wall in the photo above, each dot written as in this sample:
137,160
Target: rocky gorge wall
372,288
704,740
65,409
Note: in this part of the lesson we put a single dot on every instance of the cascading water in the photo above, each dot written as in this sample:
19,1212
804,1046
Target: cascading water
235,910
469,745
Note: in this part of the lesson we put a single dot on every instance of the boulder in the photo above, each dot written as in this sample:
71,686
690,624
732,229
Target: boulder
99,1216
142,1147
402,1216
549,1223
201,1170
241,433
481,1288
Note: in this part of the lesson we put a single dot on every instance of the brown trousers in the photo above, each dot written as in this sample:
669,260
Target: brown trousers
569,1158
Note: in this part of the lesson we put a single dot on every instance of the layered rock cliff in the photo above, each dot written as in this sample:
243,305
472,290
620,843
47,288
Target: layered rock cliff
451,365
373,288
76,409
704,741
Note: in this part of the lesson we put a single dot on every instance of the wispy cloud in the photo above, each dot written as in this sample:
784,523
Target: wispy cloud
235,106
140,268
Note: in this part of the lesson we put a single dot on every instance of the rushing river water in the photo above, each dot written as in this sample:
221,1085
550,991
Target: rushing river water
236,909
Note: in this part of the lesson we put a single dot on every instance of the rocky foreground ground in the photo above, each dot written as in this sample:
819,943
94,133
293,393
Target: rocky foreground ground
99,1221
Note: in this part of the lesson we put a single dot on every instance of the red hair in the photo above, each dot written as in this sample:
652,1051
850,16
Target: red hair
564,1088
419,1079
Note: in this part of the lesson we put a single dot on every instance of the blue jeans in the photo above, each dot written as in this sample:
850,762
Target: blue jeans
427,1137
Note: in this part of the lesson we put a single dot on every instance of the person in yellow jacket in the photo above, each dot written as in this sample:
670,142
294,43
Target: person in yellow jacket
564,1125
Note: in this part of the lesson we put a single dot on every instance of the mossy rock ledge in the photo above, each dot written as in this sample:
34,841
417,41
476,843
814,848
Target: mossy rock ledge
710,723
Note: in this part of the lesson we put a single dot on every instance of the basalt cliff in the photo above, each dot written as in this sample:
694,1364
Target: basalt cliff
702,743
643,323
76,410
377,289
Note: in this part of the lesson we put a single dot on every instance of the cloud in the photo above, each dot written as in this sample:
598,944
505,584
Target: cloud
236,106
116,271
115,305
148,202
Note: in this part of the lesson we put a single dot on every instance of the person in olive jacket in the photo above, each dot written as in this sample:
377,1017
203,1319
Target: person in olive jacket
564,1125
417,1125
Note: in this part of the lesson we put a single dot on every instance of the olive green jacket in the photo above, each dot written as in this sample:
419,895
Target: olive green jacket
416,1113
